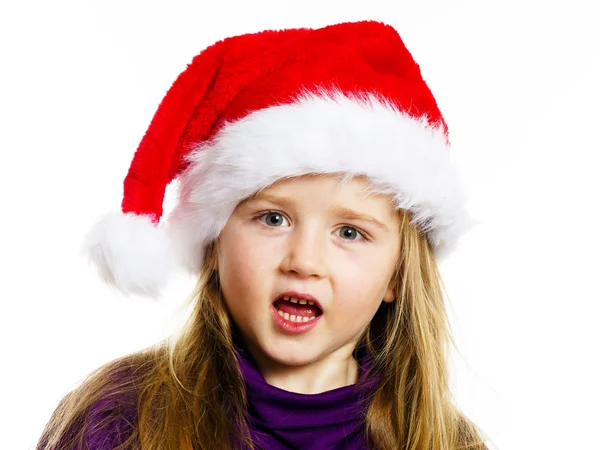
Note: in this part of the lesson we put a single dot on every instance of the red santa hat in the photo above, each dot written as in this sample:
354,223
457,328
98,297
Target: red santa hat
252,109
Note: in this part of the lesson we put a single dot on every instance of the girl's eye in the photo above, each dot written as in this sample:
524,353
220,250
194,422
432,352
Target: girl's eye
273,218
350,233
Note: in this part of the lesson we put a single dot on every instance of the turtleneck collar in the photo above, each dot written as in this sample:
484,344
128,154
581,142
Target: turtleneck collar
280,419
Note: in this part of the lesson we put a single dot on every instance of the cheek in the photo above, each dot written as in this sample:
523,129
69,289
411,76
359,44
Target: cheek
362,282
242,264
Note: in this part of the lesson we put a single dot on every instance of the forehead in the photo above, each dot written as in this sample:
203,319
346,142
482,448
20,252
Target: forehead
316,190
332,183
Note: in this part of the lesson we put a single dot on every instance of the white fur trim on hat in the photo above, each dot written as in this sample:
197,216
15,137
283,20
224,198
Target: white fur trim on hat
321,133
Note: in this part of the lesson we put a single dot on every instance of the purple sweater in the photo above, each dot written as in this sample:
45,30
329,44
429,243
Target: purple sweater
278,419
285,420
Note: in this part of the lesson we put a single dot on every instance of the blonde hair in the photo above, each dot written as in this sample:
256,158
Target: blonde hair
188,392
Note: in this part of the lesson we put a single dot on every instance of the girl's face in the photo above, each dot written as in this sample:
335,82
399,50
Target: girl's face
310,235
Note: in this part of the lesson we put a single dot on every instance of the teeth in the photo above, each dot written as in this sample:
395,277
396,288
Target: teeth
294,318
301,301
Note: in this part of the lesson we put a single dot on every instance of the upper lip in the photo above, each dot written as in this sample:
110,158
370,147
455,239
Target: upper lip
300,296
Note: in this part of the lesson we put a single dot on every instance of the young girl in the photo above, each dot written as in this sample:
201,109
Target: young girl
316,196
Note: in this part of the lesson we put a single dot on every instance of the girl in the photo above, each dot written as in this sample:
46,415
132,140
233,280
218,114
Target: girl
316,195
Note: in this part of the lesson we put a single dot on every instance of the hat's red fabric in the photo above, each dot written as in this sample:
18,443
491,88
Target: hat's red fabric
242,74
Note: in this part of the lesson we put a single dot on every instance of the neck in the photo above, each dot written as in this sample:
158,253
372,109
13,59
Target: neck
337,370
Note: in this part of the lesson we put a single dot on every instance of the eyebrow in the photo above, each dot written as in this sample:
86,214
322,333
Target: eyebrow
338,210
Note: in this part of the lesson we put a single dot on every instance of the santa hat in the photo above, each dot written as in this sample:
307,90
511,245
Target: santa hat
252,109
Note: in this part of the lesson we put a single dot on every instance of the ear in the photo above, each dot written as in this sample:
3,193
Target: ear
389,296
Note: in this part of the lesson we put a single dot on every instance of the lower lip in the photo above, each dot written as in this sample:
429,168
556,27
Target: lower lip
293,327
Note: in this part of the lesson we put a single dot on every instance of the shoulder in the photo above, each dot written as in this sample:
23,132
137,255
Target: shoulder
100,414
110,422
106,424
111,417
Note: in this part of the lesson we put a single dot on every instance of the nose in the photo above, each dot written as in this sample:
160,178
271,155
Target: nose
305,254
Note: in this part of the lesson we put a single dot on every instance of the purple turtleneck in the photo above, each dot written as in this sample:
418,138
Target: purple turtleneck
279,419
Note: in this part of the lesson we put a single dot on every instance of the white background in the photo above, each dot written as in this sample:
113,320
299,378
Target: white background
518,84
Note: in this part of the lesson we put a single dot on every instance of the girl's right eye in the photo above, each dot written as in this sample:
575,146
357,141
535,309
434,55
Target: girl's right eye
273,219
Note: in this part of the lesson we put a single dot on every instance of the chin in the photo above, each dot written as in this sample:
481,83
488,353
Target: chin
289,353
293,360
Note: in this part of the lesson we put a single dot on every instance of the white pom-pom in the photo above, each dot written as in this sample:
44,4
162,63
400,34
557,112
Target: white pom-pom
131,253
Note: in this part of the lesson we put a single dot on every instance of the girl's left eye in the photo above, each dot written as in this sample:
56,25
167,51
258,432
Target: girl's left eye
351,233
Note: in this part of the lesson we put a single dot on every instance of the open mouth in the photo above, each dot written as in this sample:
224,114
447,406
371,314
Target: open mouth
297,310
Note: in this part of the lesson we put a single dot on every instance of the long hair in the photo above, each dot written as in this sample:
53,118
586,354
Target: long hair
188,393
